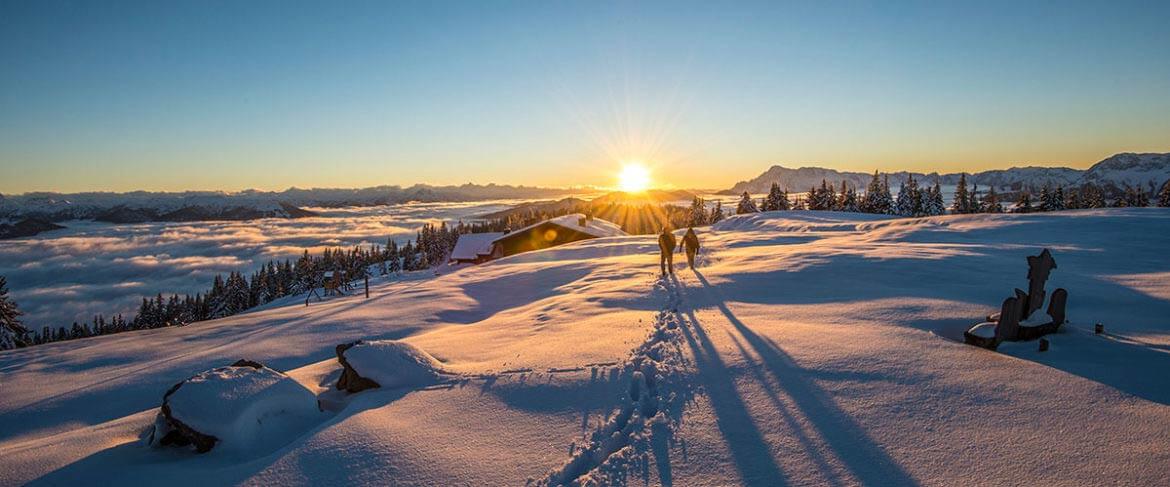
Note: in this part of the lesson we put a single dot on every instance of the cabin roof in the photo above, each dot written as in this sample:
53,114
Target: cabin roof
595,227
471,246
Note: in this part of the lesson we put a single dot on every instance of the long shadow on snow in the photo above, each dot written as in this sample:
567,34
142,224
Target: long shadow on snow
752,455
868,461
985,278
513,290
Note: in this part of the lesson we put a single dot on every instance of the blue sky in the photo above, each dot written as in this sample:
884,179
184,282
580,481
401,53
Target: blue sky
230,95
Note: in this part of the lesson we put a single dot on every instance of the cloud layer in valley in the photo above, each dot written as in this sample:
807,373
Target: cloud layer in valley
70,275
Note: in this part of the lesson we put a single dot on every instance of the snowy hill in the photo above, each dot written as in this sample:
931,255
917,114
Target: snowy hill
808,348
1111,174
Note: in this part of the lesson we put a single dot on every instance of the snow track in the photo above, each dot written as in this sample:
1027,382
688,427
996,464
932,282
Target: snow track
649,412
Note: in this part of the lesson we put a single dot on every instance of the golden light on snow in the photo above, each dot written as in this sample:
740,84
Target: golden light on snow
634,178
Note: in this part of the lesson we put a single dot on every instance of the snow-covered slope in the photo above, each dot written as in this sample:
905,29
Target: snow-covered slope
1135,170
808,348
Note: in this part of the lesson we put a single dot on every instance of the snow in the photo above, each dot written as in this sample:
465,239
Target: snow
984,330
471,246
393,363
241,405
808,348
593,226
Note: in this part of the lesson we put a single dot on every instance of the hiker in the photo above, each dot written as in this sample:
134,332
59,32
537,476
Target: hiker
666,244
691,242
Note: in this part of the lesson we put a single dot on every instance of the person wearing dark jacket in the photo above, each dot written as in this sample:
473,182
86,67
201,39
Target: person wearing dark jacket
666,245
691,242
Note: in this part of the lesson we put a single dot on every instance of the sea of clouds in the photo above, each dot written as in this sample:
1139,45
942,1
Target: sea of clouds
69,275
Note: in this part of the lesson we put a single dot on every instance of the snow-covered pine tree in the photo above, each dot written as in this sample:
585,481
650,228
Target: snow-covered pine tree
1045,199
776,199
1092,197
934,204
698,212
1072,199
7,338
828,196
1057,203
746,205
974,204
1164,195
1141,199
909,202
716,213
868,203
1024,204
902,201
849,200
12,333
962,203
991,202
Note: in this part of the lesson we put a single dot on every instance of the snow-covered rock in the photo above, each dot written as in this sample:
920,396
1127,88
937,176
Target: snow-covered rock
231,405
388,363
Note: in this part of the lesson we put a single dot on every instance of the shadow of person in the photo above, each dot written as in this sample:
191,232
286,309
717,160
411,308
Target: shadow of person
848,440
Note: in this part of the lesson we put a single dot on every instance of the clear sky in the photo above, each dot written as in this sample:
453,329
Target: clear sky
171,95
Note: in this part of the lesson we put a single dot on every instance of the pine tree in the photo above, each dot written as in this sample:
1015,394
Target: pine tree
828,196
1045,199
849,201
877,197
775,199
934,204
746,205
1072,199
1024,204
698,212
1092,197
1057,202
909,201
974,204
1164,195
13,333
962,202
716,213
991,202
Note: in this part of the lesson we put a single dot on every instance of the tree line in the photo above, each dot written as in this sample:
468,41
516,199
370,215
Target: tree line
914,200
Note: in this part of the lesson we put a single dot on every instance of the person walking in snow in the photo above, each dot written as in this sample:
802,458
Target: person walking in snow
691,242
666,245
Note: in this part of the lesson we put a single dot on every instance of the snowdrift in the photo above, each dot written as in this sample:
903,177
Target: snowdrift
237,407
387,363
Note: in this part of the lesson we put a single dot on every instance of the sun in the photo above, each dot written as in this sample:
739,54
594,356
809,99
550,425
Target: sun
634,178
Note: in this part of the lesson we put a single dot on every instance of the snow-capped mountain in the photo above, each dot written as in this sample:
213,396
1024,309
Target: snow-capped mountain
1129,169
1112,174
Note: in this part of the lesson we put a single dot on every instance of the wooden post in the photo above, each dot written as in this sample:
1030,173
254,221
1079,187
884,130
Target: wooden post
367,287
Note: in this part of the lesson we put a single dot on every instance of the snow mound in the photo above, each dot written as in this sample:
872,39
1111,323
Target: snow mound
235,405
392,363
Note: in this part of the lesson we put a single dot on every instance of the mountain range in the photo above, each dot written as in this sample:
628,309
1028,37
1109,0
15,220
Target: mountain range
1112,175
